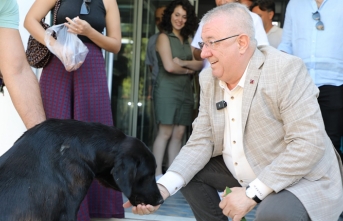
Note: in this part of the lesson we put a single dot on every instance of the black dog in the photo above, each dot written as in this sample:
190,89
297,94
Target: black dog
46,174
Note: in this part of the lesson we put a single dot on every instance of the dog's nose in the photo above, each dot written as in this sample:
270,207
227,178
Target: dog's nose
160,201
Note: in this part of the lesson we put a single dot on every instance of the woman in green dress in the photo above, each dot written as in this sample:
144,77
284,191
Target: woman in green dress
173,95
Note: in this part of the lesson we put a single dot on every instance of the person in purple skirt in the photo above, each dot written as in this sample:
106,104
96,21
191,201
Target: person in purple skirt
82,94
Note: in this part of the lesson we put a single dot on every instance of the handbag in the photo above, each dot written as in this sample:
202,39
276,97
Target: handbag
38,55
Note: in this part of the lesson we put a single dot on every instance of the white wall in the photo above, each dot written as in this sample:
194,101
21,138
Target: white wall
24,6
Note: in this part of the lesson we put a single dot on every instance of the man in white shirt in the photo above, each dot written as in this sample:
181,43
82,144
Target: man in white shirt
260,34
259,131
266,10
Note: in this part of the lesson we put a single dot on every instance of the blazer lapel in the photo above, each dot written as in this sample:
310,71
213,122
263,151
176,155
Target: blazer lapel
250,84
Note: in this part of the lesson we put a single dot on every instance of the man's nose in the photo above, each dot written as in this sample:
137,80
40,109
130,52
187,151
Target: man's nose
205,52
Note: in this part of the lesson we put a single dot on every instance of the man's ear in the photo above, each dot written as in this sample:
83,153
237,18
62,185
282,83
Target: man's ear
243,43
270,15
124,173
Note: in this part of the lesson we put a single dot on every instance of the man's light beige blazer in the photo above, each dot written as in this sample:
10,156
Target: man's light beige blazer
283,133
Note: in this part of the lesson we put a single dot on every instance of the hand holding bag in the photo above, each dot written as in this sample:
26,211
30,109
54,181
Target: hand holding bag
38,55
68,47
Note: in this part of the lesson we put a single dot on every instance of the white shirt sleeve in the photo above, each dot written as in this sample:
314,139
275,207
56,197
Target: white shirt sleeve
172,181
261,190
197,37
286,43
260,33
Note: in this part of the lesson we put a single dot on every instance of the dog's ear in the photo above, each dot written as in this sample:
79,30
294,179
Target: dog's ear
124,173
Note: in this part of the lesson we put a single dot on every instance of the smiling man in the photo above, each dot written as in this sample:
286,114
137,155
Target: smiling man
259,131
260,34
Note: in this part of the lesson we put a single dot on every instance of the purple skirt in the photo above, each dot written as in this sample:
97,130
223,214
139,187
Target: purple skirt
83,95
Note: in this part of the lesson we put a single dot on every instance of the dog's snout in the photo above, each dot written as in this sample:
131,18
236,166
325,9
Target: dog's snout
159,202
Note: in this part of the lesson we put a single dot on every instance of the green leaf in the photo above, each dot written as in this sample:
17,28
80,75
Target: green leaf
227,191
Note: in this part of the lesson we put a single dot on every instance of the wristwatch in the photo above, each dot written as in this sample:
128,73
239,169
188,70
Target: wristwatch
251,194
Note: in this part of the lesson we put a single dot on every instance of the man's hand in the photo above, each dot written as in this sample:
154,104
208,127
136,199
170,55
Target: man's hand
147,209
236,204
141,209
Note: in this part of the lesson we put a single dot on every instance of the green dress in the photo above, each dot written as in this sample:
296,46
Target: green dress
173,94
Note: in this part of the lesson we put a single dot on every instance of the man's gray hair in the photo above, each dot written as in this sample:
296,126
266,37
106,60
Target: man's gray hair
238,18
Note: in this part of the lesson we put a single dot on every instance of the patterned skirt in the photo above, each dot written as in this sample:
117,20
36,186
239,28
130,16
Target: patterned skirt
83,95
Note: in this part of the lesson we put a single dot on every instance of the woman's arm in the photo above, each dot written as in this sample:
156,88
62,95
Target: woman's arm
164,50
112,41
38,10
190,64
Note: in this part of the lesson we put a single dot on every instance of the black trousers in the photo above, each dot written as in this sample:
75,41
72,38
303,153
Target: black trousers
331,105
202,196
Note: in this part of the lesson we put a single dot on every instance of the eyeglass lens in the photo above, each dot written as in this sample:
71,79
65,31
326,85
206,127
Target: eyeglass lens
211,43
85,9
320,24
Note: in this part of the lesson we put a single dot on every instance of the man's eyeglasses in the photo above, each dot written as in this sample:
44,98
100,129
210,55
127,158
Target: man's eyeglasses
320,24
211,44
85,9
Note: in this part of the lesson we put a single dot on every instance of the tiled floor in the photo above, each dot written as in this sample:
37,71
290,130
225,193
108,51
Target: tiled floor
175,208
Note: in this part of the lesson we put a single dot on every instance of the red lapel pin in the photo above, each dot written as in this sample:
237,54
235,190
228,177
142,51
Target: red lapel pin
251,81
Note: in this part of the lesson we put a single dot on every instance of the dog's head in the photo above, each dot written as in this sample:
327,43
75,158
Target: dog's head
134,173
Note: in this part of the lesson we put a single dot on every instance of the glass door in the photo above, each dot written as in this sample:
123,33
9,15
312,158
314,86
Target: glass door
132,107
122,93
146,127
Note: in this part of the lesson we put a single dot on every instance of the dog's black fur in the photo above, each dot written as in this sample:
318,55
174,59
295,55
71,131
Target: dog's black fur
47,172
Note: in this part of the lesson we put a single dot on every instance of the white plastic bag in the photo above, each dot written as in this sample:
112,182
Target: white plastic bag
68,47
